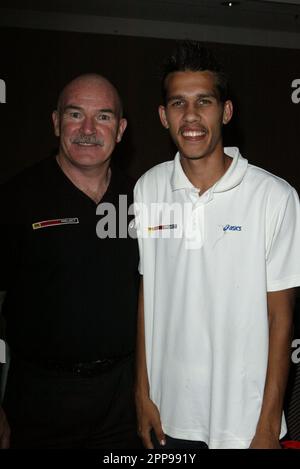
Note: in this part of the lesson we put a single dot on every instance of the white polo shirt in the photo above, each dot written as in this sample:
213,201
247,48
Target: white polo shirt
206,271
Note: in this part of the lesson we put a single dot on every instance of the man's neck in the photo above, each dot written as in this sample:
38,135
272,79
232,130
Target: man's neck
92,181
205,172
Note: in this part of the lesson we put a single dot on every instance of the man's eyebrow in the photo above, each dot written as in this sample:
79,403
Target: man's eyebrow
79,108
200,95
176,96
212,94
111,111
72,106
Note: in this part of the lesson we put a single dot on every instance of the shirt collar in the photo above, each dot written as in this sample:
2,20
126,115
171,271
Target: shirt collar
233,176
179,179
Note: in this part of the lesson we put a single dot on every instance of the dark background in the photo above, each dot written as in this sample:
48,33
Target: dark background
36,64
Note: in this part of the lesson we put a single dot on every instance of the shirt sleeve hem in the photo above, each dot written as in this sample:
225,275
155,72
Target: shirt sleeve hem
283,284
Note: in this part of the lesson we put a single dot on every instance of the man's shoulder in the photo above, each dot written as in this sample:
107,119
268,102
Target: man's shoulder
268,181
30,174
156,174
26,185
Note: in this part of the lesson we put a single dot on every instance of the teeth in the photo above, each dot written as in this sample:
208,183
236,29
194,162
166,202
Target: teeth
193,133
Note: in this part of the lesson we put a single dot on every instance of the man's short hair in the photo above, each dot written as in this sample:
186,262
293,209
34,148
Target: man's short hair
191,56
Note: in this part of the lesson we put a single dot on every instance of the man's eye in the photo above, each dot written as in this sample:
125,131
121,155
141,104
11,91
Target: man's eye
177,103
75,114
103,117
204,102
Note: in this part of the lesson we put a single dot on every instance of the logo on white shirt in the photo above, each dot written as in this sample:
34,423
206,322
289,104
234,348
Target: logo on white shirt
232,228
173,226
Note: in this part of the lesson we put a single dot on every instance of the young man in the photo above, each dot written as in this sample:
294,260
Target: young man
219,257
71,297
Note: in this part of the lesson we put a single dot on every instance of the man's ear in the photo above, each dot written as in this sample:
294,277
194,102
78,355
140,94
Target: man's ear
163,117
121,129
56,122
227,112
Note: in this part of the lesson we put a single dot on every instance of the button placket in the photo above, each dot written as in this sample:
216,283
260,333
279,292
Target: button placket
195,228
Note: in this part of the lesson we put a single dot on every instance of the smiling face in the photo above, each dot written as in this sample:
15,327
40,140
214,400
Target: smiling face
88,122
194,114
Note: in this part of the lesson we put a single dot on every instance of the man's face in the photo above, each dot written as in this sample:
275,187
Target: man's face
193,113
88,123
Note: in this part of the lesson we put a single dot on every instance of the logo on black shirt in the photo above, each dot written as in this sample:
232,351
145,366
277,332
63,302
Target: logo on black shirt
56,222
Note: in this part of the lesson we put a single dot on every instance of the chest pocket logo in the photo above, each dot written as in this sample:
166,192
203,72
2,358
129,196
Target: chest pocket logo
55,222
232,228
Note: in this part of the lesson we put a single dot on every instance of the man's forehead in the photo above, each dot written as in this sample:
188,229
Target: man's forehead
86,93
190,82
88,88
188,76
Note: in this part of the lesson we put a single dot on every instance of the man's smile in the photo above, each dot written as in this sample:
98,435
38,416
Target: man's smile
193,133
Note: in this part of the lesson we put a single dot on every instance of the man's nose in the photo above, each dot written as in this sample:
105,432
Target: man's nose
88,126
192,113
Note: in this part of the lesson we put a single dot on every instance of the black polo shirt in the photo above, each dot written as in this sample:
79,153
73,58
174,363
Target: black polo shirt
71,296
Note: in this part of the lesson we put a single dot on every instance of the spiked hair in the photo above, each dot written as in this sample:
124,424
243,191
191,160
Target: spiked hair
191,56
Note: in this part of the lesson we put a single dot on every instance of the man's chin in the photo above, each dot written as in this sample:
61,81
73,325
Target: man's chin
86,160
90,162
192,157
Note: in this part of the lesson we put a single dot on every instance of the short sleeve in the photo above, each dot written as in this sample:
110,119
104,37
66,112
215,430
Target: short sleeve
283,254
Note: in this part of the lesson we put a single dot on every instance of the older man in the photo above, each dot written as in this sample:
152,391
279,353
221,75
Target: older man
70,304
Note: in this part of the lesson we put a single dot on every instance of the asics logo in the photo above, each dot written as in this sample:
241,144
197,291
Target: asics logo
232,228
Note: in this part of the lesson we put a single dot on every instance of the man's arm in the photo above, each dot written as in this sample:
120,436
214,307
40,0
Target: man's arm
280,314
147,412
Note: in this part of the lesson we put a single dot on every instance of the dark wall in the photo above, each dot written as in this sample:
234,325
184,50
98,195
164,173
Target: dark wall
36,65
